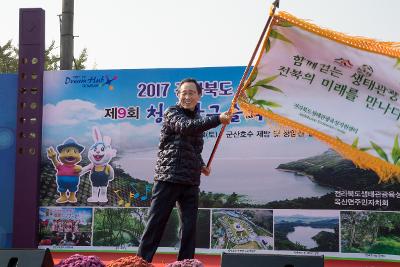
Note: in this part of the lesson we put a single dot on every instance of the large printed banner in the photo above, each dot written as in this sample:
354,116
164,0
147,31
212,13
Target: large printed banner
271,190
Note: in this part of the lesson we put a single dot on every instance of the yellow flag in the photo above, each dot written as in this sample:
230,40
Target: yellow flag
343,90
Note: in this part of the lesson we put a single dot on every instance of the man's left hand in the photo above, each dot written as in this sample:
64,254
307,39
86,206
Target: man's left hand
206,170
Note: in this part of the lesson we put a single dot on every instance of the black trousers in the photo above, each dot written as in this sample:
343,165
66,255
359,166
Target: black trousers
163,200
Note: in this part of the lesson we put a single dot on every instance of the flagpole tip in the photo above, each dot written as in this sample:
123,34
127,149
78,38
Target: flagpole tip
272,8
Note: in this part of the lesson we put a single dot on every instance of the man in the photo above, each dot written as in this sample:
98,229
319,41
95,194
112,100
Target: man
178,169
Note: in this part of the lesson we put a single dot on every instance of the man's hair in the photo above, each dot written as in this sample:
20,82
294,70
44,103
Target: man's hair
190,80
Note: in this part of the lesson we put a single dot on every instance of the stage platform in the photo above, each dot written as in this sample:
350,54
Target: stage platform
161,260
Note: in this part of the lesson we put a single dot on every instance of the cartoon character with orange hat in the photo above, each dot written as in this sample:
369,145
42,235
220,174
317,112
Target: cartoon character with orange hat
67,177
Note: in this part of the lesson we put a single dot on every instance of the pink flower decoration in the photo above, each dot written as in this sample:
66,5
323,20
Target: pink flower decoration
186,263
81,261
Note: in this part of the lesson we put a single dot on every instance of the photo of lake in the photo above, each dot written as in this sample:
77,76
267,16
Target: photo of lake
246,168
304,235
306,230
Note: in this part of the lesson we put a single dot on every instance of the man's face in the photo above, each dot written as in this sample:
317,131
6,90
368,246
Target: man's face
188,96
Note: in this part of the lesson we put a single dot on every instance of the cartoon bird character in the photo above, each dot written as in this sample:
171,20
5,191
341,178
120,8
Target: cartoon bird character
101,172
67,177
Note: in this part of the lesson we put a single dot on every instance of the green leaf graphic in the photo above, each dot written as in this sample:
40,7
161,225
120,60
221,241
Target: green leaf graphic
396,150
266,103
279,36
284,23
251,91
397,65
380,151
268,46
355,143
253,75
273,88
266,80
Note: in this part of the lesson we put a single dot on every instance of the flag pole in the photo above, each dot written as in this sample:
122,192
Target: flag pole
274,5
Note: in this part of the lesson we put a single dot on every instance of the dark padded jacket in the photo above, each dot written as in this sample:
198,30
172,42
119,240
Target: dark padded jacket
181,143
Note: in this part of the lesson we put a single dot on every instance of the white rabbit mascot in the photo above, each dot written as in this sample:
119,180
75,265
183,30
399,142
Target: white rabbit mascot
101,172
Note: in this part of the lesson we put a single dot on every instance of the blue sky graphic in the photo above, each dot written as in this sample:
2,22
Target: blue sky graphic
75,101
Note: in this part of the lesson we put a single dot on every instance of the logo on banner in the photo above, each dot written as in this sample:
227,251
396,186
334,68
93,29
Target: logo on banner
109,81
365,70
91,81
344,62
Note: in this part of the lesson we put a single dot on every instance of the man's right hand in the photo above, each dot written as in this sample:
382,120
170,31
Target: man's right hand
225,117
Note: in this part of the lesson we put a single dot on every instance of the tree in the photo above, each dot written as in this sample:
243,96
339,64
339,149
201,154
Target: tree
232,200
51,60
9,58
79,63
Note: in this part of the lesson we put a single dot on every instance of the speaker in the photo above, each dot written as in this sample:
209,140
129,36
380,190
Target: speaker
25,258
270,260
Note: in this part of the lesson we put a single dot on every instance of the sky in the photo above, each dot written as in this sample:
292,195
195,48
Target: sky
309,213
133,34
